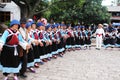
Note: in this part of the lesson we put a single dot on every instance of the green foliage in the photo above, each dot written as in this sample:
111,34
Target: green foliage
94,12
84,11
32,7
67,10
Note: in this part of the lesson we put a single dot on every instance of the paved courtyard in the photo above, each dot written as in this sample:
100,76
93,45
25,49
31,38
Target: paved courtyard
80,65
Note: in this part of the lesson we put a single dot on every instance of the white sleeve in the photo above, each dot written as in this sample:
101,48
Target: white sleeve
103,32
30,40
23,44
1,45
96,31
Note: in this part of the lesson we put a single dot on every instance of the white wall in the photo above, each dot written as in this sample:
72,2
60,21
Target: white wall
13,9
109,3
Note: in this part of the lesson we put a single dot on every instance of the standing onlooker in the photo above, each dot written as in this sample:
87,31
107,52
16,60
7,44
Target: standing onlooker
24,55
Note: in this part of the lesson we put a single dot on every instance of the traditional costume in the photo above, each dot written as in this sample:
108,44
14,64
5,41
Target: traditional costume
10,41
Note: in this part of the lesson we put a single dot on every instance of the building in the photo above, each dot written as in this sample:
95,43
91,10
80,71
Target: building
9,11
115,12
109,2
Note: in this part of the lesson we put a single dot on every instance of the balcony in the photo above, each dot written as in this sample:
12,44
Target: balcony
115,18
5,1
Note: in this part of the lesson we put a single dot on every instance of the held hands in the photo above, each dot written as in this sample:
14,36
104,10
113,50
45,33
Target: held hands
47,43
65,36
36,42
41,44
28,46
58,41
94,35
1,46
54,40
50,42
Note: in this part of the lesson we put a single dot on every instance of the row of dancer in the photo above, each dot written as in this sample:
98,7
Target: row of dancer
79,38
26,44
112,38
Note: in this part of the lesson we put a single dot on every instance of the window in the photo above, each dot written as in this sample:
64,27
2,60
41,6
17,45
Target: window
117,14
5,1
4,16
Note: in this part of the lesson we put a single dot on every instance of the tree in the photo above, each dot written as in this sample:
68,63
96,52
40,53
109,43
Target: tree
86,11
83,11
94,12
32,7
68,10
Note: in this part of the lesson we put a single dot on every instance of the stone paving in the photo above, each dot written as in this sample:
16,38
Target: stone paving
80,65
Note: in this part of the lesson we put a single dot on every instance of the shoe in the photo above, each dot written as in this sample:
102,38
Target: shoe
89,47
105,48
16,78
54,56
49,59
44,60
41,62
23,76
73,49
98,48
60,54
32,70
77,48
6,78
64,51
69,50
85,48
36,65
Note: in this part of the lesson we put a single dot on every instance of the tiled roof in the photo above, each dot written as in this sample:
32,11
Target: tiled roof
113,8
2,5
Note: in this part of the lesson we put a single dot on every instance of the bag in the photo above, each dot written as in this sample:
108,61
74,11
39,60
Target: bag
20,51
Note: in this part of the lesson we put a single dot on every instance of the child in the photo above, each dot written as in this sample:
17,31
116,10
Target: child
99,36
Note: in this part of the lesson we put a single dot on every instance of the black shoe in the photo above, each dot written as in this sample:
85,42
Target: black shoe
23,76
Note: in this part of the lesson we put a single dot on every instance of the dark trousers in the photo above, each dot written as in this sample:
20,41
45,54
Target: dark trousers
24,62
6,74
